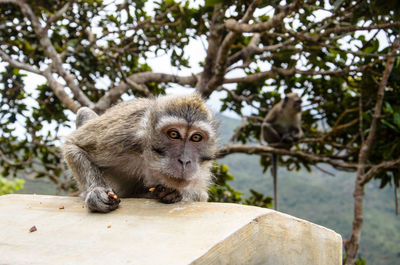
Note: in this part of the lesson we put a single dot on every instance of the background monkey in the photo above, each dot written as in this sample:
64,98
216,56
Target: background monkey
281,127
166,142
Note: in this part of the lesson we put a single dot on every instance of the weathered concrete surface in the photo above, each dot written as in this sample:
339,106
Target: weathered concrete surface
144,231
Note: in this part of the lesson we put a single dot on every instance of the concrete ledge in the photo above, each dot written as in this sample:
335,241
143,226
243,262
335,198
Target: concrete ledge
144,231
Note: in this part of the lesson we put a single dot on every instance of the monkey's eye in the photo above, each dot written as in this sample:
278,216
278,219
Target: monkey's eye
196,137
173,134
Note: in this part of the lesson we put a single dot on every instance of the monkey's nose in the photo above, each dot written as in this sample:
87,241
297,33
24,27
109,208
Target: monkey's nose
184,162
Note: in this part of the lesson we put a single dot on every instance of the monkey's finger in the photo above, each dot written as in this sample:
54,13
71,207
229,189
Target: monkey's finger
98,200
112,195
159,190
172,197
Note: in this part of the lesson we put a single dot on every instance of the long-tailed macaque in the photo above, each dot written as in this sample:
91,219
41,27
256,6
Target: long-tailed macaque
281,128
155,148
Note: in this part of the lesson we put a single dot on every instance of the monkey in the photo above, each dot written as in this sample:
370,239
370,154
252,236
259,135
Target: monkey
160,148
281,127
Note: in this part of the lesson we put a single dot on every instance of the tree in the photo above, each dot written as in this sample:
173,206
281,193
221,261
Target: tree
340,55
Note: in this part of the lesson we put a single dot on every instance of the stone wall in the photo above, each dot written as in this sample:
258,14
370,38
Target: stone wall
144,231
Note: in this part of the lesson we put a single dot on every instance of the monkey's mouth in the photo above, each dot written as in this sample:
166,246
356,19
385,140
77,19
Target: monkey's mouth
177,182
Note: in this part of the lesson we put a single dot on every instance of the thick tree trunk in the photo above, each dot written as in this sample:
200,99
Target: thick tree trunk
353,244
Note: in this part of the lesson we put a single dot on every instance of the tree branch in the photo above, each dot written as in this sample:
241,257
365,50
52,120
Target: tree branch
51,52
357,28
214,38
57,15
140,87
238,130
141,78
247,51
375,169
8,1
263,150
19,65
60,93
304,36
233,25
57,88
222,54
251,78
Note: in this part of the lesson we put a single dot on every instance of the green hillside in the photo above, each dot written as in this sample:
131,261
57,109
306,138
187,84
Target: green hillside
324,200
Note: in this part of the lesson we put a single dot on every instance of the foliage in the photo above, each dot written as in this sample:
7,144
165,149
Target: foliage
258,199
9,186
359,261
221,191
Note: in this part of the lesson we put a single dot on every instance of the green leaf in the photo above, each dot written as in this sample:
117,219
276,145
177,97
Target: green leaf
15,71
396,119
390,125
388,107
213,2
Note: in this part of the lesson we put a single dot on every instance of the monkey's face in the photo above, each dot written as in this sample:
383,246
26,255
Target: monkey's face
181,151
293,101
297,104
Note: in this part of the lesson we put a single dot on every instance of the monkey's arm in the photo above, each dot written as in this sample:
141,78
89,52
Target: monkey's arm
99,197
269,133
293,135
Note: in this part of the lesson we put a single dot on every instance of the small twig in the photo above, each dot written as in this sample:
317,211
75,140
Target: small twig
57,15
238,130
324,171
133,84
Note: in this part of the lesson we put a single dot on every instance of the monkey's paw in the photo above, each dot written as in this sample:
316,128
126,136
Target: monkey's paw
102,200
167,195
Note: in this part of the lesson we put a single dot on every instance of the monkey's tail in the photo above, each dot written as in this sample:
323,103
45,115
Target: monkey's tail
274,171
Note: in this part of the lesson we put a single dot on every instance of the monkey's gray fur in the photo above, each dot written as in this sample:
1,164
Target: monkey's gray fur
281,127
167,143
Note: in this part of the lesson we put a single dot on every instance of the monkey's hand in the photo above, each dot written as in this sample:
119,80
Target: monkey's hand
167,195
289,138
102,200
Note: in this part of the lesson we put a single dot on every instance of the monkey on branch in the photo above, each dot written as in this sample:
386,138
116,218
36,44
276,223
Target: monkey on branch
158,148
281,128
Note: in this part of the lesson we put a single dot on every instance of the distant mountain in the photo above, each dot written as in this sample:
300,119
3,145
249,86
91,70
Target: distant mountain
323,199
